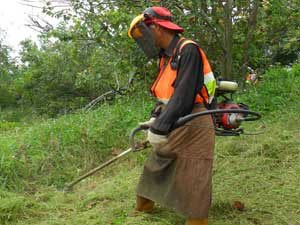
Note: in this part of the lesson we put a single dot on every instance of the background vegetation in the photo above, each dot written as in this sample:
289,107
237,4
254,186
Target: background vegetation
89,54
70,101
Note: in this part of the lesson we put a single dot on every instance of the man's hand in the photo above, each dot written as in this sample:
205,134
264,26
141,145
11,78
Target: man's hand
148,123
156,140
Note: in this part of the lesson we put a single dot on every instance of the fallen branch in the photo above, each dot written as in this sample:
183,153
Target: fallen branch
89,106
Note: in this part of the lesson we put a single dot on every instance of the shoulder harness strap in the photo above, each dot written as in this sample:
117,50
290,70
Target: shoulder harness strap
176,56
175,60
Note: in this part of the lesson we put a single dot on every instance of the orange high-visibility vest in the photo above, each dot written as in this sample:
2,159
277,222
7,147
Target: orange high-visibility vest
162,86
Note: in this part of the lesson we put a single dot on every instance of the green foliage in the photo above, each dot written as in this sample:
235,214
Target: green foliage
281,28
57,78
81,64
8,71
255,40
89,53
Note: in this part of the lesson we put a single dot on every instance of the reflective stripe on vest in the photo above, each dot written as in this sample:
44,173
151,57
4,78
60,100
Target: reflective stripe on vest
162,87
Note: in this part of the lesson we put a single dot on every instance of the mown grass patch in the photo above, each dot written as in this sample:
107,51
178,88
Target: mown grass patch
18,207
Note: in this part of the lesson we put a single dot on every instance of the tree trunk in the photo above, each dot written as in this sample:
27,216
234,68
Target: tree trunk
228,41
204,6
252,21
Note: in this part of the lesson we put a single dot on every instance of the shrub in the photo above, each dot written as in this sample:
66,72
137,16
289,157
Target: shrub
278,90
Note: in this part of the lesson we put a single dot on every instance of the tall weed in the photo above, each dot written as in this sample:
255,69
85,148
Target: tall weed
54,151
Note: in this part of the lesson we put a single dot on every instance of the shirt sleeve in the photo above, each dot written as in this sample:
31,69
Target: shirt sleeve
189,81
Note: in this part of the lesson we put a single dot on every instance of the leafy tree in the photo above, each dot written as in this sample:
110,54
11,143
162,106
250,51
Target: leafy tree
281,26
89,54
86,56
8,70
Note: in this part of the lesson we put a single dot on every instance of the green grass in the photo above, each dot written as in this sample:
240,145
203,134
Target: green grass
38,158
260,171
54,151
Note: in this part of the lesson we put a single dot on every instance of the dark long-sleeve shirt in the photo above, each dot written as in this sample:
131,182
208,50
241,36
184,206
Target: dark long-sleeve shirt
188,83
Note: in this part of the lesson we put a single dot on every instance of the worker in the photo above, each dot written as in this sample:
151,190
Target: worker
178,173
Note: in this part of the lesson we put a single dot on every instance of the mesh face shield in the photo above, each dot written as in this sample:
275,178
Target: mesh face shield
143,36
146,40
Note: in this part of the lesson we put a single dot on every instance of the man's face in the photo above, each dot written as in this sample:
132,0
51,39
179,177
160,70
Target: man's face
156,31
148,37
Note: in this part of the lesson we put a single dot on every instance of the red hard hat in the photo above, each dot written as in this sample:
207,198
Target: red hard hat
162,16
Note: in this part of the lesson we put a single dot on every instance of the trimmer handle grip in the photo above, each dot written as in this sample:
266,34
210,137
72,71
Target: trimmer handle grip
132,134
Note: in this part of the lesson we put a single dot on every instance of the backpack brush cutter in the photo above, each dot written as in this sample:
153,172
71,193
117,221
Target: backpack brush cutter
228,116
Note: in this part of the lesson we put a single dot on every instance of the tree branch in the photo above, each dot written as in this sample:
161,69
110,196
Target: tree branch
37,26
89,106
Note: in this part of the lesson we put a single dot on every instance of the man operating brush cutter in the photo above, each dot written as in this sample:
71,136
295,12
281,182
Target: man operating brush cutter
178,174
